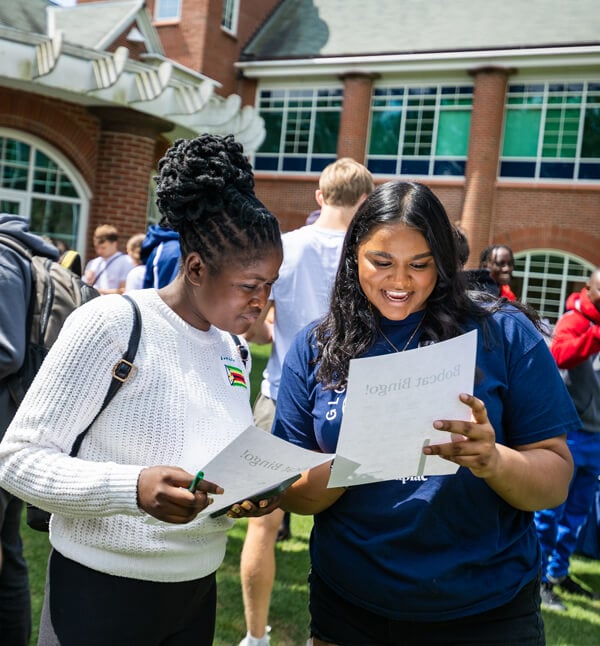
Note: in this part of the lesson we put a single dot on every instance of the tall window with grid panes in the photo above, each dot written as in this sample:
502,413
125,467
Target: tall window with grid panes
35,181
419,130
302,127
229,17
552,132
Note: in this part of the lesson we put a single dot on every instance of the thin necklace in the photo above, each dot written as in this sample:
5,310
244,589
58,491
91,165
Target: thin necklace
412,336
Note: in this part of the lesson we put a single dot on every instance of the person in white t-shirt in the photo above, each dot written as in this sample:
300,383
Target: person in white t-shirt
108,271
135,277
301,294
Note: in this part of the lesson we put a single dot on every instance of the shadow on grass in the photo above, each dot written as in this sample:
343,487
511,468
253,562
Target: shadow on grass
580,625
288,615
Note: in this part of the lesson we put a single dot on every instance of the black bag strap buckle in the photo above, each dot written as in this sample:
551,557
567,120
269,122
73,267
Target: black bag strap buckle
122,370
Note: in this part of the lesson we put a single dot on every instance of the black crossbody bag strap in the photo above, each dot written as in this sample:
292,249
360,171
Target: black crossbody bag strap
242,349
121,372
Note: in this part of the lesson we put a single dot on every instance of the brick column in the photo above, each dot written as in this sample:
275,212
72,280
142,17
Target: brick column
483,155
354,123
126,159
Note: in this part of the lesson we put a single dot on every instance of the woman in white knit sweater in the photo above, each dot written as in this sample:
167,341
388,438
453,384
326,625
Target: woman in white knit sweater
130,562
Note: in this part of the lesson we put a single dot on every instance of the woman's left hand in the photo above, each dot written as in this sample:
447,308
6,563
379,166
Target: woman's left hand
254,507
528,476
473,443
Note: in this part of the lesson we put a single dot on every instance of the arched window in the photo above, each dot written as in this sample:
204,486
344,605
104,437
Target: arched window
544,278
41,185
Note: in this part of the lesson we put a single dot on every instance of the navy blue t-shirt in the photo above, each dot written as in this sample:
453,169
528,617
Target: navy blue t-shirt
438,547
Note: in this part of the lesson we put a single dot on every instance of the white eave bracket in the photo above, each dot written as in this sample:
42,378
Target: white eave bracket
47,53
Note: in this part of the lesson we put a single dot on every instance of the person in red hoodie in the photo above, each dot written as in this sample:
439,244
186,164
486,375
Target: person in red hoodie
500,262
576,349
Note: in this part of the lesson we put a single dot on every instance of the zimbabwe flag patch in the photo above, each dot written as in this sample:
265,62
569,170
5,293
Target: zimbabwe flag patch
235,376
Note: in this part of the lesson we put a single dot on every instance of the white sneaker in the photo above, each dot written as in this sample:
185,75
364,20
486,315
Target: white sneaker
250,640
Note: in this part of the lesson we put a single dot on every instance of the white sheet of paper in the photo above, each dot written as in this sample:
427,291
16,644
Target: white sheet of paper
391,404
254,461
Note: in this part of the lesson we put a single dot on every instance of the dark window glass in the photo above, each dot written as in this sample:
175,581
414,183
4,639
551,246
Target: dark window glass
273,121
327,127
557,170
49,217
265,163
589,171
590,146
382,166
517,169
385,130
294,164
14,177
449,167
317,164
414,167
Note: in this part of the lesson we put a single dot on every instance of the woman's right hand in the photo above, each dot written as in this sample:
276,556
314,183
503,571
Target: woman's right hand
163,493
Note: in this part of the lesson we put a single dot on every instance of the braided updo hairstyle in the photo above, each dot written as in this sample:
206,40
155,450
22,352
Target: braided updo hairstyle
205,192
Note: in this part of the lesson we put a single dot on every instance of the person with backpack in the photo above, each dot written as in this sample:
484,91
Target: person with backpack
15,290
130,562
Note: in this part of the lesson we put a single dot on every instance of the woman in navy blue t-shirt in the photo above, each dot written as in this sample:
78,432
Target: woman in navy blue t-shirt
441,559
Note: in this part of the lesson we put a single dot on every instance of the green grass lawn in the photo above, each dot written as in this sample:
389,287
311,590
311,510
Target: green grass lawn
579,626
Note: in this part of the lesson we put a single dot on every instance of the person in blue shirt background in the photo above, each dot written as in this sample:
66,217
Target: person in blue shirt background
440,559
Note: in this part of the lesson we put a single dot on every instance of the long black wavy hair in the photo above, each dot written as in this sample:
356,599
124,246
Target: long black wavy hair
205,192
351,325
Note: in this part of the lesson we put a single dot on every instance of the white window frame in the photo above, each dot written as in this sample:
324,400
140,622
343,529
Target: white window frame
550,295
230,16
547,97
165,5
437,108
15,197
25,197
294,139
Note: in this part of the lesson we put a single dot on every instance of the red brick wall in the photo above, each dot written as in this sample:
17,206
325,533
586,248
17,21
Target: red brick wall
292,198
354,122
222,49
198,42
482,158
69,128
116,166
135,49
184,40
123,172
564,217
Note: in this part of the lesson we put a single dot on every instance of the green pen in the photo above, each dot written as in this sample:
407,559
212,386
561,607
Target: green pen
196,481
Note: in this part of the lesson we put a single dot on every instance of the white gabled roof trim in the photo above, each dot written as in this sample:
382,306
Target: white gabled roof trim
155,86
582,57
109,68
46,55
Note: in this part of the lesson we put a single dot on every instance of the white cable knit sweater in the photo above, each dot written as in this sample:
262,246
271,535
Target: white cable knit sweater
180,408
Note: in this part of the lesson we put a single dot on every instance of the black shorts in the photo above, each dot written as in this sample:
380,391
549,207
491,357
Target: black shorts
337,621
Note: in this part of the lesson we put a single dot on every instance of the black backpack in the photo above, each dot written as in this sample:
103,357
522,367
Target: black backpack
55,293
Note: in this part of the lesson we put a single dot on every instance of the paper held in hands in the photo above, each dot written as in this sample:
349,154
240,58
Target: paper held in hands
253,462
391,404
